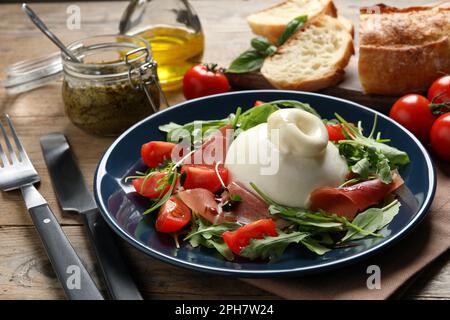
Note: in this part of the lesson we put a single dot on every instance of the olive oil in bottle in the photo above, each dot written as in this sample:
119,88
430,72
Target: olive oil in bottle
175,49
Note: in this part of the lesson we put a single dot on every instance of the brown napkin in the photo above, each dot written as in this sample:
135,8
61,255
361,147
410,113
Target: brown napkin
398,264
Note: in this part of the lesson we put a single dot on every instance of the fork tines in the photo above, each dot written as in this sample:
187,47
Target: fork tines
11,157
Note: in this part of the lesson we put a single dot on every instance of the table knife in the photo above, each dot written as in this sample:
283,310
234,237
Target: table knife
74,196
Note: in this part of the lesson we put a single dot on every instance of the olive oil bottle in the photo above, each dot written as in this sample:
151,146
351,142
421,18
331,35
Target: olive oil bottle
175,49
174,32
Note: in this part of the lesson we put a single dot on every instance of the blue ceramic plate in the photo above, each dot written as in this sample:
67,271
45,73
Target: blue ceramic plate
122,208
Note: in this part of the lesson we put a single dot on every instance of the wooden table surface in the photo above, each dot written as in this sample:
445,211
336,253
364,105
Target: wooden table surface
25,272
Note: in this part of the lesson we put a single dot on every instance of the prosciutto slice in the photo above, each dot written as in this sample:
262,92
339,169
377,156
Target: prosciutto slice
251,208
214,149
349,201
203,202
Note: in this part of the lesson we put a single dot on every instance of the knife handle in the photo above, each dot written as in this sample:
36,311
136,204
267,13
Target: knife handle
117,276
76,281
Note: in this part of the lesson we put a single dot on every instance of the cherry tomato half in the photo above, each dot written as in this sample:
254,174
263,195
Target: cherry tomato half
414,113
440,89
203,176
335,132
150,188
238,239
440,136
258,103
173,215
154,153
203,80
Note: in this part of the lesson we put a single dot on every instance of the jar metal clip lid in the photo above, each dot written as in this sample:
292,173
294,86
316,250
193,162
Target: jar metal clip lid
143,70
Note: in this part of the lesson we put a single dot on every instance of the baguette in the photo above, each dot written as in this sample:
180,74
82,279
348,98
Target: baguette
312,59
272,21
403,50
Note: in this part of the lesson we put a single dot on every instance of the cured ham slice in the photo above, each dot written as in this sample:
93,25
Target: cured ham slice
203,202
349,201
251,208
214,149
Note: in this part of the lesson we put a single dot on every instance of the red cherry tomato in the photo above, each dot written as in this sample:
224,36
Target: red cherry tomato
413,112
238,239
154,153
440,136
335,132
258,103
440,89
204,80
173,215
202,176
149,187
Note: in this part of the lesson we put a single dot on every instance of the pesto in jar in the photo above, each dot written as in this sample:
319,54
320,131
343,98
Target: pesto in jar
107,109
103,92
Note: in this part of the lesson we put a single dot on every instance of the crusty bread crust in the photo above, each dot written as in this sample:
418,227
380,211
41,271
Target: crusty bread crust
332,77
403,50
273,30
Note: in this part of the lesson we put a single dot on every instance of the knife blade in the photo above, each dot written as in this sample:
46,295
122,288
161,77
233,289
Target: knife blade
74,196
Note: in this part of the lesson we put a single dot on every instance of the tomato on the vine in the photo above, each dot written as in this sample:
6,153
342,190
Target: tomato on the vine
439,91
440,136
204,80
413,112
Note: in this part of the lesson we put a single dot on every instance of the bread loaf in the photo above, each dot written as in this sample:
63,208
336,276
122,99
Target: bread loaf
403,50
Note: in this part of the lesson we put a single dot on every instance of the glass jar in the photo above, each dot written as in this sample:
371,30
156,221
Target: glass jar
113,86
174,31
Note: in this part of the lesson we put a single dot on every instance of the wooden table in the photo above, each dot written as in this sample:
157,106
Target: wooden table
25,272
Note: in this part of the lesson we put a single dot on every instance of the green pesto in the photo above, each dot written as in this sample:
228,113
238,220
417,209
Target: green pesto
107,109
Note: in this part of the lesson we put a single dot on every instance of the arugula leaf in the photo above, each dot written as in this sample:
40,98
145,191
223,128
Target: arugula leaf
373,219
368,156
362,168
395,156
291,28
176,132
210,235
257,115
250,60
208,231
315,246
271,247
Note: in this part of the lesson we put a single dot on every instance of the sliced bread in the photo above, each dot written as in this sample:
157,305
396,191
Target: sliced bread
312,59
272,21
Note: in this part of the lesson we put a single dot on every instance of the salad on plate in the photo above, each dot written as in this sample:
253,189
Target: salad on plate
274,176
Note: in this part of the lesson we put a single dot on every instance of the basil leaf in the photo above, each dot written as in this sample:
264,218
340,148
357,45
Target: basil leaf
263,46
291,28
271,247
250,60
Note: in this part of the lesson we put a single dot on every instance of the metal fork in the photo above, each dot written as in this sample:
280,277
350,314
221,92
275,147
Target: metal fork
17,172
